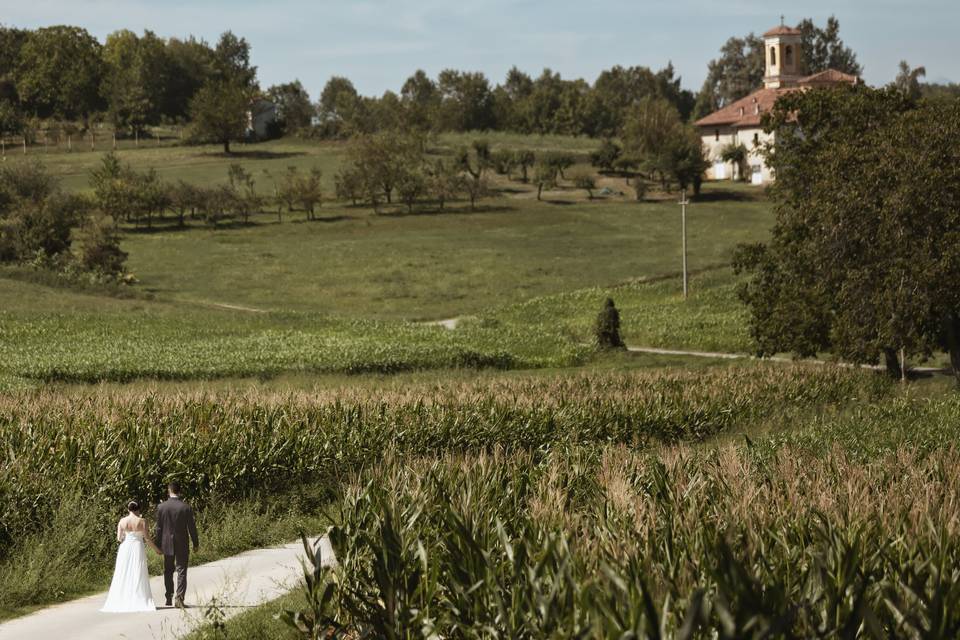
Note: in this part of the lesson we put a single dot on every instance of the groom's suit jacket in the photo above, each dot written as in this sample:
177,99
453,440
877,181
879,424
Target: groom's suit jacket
175,523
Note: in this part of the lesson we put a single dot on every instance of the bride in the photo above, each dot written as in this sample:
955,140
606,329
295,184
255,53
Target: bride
130,589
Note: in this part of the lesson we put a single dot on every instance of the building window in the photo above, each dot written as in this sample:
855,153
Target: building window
716,135
788,58
773,56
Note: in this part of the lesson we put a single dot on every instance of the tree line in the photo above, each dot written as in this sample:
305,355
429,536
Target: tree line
134,81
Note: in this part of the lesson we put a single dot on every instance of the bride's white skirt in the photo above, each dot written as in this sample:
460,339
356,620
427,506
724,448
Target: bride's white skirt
130,589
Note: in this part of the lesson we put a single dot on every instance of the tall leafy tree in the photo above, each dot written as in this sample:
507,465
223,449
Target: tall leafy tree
823,49
231,58
421,101
191,65
467,100
339,104
135,78
738,71
294,109
59,71
866,248
219,112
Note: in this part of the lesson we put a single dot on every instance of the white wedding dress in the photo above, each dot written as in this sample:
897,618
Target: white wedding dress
130,589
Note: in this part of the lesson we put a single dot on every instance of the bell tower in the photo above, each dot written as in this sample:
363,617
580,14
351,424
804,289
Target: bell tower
781,46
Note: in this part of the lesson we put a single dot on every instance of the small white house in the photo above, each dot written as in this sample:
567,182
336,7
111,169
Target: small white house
261,115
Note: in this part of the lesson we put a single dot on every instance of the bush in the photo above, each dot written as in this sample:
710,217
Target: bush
606,156
98,246
607,328
585,181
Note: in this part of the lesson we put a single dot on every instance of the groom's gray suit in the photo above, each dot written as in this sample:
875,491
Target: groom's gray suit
175,523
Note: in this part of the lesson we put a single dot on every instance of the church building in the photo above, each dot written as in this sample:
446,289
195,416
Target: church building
739,121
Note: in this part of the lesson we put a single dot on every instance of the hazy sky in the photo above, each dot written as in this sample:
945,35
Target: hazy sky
378,43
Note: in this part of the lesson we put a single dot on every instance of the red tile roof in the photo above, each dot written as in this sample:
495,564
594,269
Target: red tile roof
781,30
745,112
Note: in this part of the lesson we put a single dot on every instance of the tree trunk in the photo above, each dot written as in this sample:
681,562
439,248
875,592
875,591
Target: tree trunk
226,146
894,369
539,190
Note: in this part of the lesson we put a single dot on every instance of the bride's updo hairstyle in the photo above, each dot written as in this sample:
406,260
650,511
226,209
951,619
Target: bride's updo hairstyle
133,507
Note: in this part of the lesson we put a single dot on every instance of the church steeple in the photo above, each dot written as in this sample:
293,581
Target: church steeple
781,47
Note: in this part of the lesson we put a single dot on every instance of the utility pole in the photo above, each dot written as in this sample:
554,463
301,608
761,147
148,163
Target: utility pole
683,229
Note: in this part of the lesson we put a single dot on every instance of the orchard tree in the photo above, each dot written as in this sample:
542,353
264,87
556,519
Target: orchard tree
219,112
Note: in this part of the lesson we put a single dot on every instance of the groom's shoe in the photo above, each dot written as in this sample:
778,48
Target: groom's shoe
178,603
169,602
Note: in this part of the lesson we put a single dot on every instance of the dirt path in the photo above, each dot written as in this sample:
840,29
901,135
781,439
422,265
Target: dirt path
744,356
237,583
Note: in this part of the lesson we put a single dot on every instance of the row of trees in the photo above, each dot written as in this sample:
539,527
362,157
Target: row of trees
64,73
865,253
139,197
135,80
467,101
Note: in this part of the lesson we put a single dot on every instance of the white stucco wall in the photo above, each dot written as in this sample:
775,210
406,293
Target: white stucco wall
753,139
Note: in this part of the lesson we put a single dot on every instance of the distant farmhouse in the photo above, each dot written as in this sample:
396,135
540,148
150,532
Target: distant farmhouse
739,122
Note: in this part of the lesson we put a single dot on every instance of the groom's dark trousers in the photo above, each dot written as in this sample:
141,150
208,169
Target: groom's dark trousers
175,530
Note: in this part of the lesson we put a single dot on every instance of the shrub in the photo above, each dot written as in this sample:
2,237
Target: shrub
607,328
606,156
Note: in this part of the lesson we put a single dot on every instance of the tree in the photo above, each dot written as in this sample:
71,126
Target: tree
738,71
97,246
58,72
310,191
411,186
737,154
823,49
184,197
245,199
219,112
294,109
606,329
606,156
466,101
545,175
338,106
864,254
476,187
348,184
652,128
908,80
503,161
421,101
191,66
560,160
586,182
231,62
525,160
287,189
135,79
444,182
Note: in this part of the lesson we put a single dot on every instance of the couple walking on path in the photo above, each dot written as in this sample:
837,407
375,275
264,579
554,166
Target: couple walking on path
176,528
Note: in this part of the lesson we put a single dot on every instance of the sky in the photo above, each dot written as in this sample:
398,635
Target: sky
379,43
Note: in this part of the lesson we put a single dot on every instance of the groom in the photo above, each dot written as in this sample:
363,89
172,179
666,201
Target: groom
174,523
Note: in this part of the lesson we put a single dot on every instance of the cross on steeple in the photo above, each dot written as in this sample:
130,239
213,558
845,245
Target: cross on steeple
781,19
